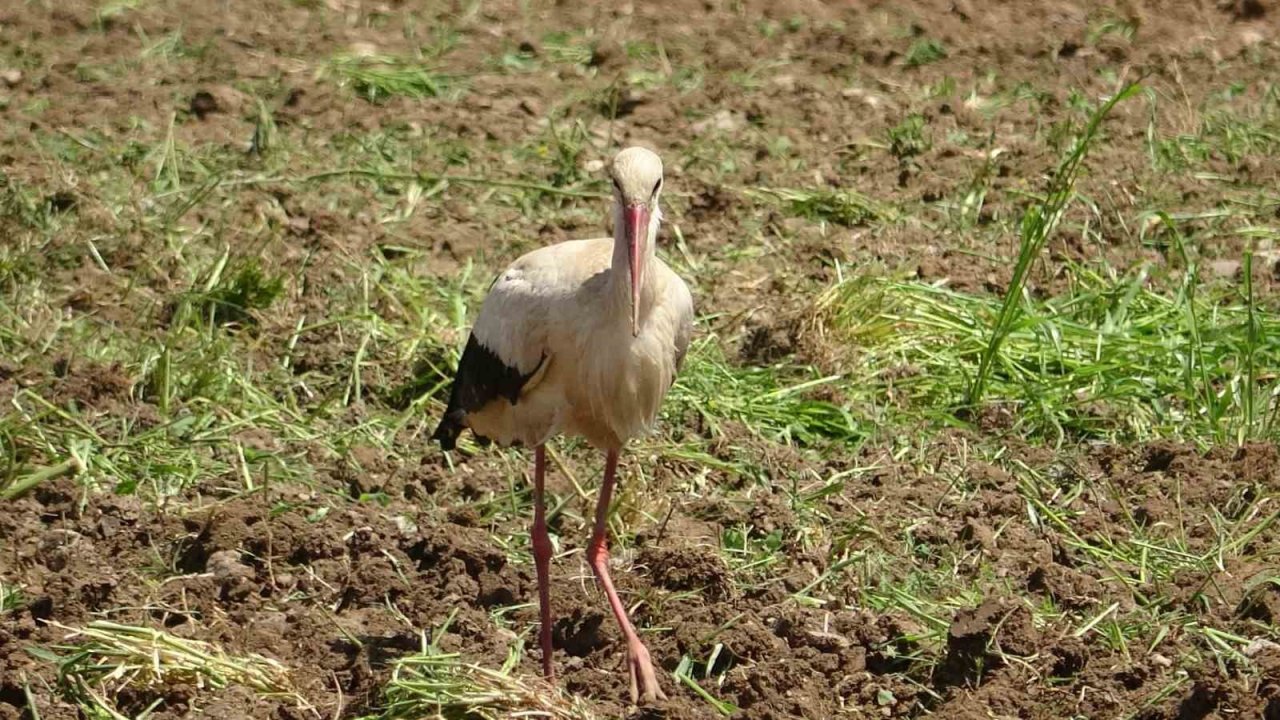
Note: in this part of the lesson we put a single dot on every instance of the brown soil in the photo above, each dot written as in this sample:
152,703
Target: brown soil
329,597
317,596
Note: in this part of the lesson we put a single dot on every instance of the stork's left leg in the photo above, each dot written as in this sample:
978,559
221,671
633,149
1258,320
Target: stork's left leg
542,559
644,683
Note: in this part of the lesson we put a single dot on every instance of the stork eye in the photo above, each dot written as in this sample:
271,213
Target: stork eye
617,186
657,186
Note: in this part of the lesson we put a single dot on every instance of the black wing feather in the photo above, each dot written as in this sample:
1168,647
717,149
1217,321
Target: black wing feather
482,376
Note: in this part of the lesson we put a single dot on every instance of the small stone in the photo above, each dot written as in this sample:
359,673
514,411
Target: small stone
108,526
270,624
405,525
835,640
231,100
724,121
1251,36
784,82
226,567
1224,268
299,224
203,103
1259,645
531,107
11,77
975,533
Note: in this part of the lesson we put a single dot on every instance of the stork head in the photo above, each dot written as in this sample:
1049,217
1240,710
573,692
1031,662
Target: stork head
637,183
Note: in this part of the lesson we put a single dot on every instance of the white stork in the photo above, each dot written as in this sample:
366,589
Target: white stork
582,338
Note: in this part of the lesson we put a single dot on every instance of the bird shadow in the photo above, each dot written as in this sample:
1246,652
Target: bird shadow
379,651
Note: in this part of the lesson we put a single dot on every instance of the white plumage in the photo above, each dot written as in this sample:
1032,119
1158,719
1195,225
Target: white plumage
581,338
559,311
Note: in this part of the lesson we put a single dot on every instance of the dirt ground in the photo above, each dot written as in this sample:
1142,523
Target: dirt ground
330,597
243,565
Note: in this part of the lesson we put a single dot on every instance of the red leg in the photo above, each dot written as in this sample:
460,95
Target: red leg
542,559
644,683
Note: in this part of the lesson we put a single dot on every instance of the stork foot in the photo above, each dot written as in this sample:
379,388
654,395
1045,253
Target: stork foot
644,682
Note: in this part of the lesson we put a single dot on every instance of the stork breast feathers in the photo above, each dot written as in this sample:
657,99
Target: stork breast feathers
549,343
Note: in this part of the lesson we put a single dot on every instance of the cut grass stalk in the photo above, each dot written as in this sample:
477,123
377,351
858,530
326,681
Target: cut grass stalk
1095,620
112,657
31,700
378,77
1253,340
840,207
1196,378
684,673
71,466
1037,225
439,684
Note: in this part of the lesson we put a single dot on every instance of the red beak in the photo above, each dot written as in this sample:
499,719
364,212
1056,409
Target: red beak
636,231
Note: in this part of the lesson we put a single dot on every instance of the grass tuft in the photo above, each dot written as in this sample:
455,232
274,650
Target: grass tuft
378,78
231,298
1111,360
907,139
438,684
924,52
1038,224
10,597
778,408
112,658
840,207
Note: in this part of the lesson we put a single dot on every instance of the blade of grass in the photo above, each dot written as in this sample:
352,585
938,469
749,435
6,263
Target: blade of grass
1037,226
1252,340
71,466
684,674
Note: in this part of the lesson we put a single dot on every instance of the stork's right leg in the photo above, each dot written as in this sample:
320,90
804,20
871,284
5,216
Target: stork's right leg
644,681
542,559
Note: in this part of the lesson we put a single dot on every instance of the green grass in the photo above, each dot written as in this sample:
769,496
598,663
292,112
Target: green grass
924,52
106,658
229,296
759,399
1115,360
378,78
1040,221
908,138
573,48
10,598
434,683
840,207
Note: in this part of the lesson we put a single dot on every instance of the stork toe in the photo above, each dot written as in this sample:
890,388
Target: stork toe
644,681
